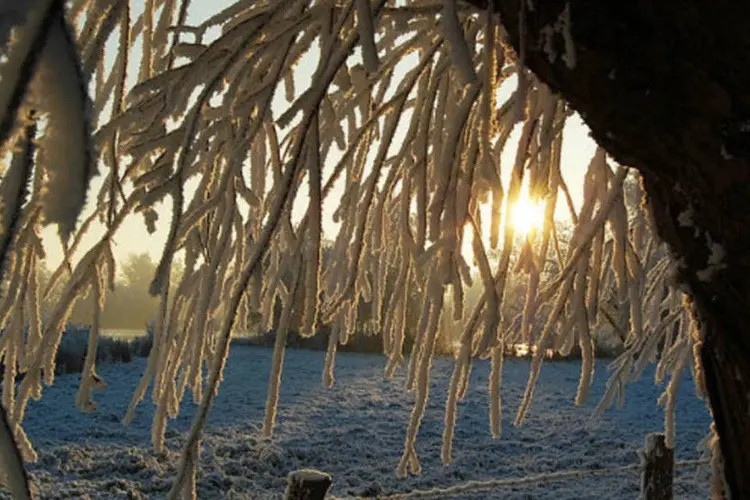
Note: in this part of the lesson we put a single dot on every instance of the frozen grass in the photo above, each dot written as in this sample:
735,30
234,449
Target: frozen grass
355,432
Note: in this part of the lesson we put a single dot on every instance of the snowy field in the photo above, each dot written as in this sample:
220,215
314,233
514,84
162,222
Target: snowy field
355,431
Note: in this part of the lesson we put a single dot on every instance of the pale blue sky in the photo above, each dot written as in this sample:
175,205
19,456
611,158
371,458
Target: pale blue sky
132,237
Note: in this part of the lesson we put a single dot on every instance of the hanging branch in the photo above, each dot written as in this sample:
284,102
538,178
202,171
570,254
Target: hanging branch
22,63
15,190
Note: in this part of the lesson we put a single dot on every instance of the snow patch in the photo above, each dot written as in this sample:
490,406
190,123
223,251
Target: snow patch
570,49
685,219
354,432
308,475
715,260
562,26
547,34
650,444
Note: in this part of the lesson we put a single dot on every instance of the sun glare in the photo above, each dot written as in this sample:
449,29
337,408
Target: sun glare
527,216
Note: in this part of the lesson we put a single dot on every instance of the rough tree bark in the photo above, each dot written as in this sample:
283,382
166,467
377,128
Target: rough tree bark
665,88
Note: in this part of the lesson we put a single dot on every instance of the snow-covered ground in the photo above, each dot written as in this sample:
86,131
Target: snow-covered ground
355,431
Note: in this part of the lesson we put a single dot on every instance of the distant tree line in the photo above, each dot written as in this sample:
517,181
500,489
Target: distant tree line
131,307
128,307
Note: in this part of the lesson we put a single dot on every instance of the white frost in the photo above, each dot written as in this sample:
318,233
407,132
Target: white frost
562,26
360,417
547,34
715,260
60,95
685,219
570,49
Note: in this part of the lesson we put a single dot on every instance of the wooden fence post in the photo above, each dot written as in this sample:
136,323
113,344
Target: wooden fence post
658,468
307,484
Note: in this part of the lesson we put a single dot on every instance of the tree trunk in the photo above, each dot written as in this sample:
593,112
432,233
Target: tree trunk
665,88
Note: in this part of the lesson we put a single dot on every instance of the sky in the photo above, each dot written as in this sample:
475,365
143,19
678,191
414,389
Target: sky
132,237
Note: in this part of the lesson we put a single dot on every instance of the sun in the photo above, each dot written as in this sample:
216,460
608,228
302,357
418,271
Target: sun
527,216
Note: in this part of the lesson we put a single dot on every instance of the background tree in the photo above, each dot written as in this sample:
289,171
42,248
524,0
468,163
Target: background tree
129,306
